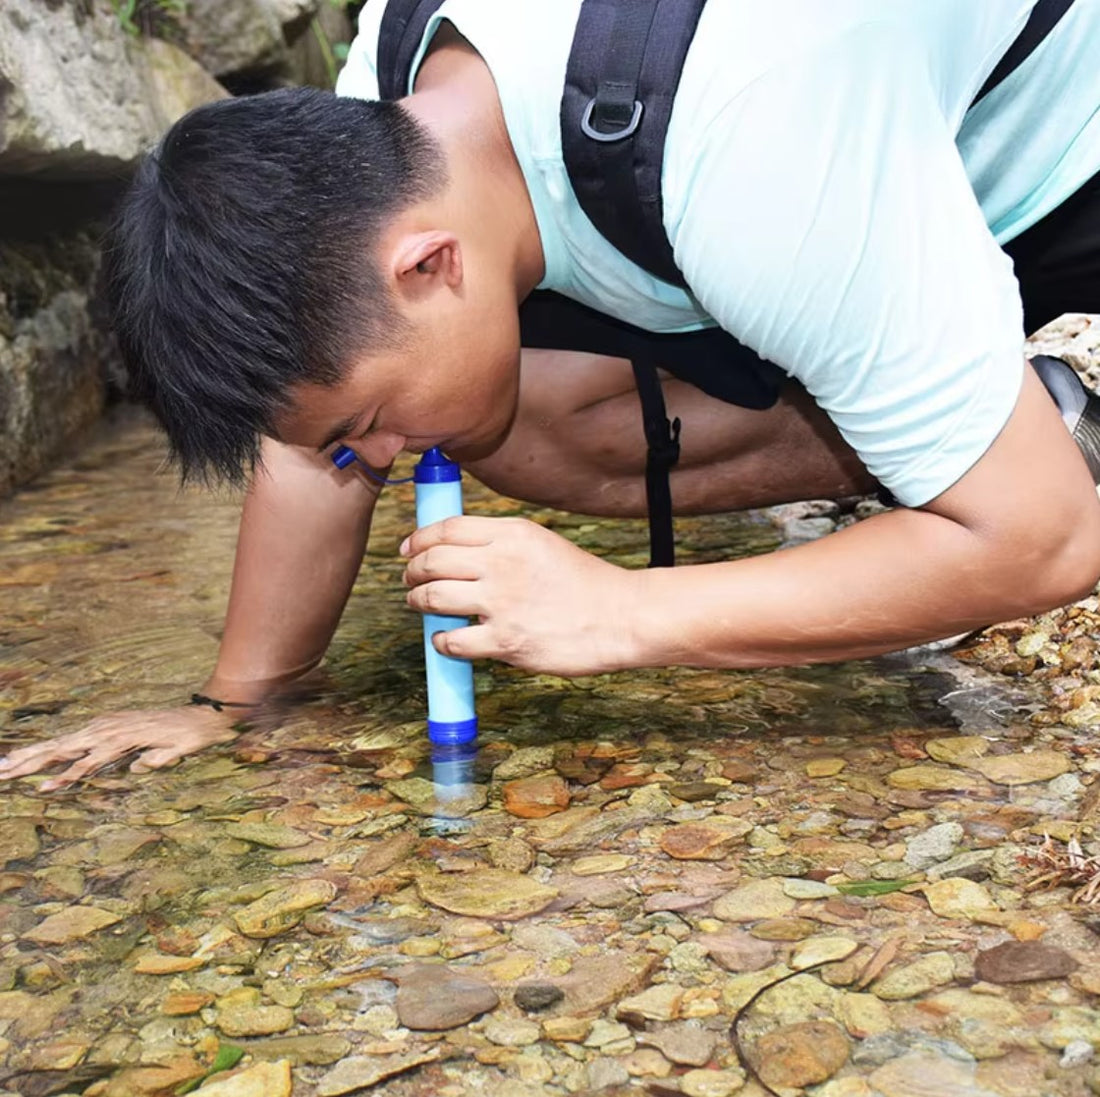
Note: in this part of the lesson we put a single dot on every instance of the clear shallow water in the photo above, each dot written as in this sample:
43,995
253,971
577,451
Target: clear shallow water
635,803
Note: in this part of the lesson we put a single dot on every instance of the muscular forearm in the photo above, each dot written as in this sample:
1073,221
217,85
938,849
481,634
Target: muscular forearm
303,531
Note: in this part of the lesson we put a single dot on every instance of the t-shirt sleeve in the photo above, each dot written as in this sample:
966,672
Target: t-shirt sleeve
824,218
359,76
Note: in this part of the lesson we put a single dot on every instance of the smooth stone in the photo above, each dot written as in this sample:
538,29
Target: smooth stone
155,964
261,1080
524,762
711,1083
604,1033
600,863
825,767
545,941
605,1074
71,924
936,969
694,791
254,1020
797,888
784,929
322,1049
433,998
595,982
736,950
956,897
932,778
753,902
684,1043
1023,769
935,844
679,900
1023,962
819,950
359,1072
922,1074
271,835
957,750
511,1032
486,893
656,1003
511,854
863,1015
533,997
801,1054
282,909
18,840
535,797
700,841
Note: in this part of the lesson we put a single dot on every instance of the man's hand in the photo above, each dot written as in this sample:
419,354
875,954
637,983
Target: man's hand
159,737
542,603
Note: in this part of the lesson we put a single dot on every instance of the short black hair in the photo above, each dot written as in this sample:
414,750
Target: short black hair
241,261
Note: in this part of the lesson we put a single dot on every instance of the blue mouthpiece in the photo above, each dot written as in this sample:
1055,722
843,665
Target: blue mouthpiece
435,468
342,456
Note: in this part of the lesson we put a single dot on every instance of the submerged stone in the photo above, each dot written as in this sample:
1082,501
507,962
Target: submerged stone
282,909
1023,962
433,998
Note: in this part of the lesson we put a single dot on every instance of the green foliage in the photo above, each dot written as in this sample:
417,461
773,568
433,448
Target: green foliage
147,16
228,1056
873,887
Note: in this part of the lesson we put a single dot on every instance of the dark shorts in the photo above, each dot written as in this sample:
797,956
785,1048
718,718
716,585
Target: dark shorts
1057,264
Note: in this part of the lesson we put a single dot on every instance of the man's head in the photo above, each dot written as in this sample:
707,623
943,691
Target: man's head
245,268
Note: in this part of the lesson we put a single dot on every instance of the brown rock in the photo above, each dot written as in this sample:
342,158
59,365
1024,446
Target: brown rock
185,1002
384,854
698,841
802,1054
739,772
626,775
486,893
1023,962
738,951
535,797
433,998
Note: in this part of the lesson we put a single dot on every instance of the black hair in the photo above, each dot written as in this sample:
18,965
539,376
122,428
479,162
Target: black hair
241,261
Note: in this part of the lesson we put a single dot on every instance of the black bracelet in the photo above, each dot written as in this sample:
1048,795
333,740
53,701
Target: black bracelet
216,705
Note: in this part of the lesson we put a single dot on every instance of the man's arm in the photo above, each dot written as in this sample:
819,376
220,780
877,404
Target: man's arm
1019,533
302,534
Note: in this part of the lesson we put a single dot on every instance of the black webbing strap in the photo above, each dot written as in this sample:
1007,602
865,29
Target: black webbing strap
663,451
1042,20
399,36
620,84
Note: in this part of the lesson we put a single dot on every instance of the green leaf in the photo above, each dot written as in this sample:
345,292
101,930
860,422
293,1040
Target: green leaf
340,50
873,887
228,1056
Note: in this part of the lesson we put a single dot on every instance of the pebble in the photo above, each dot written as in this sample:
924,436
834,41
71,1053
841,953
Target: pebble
599,863
1023,769
533,997
932,778
657,1003
269,835
711,1083
486,893
825,767
358,1072
535,797
754,901
254,1020
433,998
525,762
956,897
511,1032
936,844
1023,962
604,1073
1075,1054
817,950
71,924
935,969
921,1074
801,1054
798,888
957,750
736,950
699,841
261,1080
282,909
696,791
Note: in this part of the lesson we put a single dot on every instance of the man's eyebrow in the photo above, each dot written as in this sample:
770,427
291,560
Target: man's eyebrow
341,430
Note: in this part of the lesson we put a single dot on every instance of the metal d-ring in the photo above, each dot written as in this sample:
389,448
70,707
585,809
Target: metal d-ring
617,135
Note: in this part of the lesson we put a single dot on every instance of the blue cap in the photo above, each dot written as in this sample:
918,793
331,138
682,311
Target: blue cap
455,732
434,468
342,456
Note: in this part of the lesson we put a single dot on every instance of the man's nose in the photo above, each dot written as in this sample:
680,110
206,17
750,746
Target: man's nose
379,448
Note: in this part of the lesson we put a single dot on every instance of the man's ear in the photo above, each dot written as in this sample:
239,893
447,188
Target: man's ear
425,260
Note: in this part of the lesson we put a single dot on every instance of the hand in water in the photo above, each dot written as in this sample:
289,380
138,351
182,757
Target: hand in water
159,737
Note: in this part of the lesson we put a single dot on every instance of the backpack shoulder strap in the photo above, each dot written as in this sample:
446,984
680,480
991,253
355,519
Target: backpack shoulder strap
620,84
399,38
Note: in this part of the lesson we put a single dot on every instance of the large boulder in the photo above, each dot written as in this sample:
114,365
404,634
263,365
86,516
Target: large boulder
80,96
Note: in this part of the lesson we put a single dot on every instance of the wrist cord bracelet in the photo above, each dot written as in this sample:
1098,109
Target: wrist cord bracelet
215,704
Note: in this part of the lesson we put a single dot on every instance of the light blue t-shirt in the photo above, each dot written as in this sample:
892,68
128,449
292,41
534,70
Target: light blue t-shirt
831,198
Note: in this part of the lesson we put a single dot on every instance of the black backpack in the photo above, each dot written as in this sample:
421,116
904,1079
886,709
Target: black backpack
621,80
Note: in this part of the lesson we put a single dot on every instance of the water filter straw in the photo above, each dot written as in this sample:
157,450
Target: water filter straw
451,714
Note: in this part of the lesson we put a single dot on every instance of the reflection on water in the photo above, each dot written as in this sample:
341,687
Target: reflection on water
582,903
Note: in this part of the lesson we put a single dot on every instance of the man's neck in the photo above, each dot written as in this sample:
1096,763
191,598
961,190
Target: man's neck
456,98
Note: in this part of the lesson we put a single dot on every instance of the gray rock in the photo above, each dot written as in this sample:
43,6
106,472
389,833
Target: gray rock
243,37
684,1042
605,1072
933,845
535,996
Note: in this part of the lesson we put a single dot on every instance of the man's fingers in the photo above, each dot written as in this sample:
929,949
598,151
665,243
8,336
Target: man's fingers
466,529
39,755
90,764
446,597
442,562
472,642
157,759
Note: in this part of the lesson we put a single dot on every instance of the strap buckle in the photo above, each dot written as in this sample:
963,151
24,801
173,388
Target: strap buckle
615,135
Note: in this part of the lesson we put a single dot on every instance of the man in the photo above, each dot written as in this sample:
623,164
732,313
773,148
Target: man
294,271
